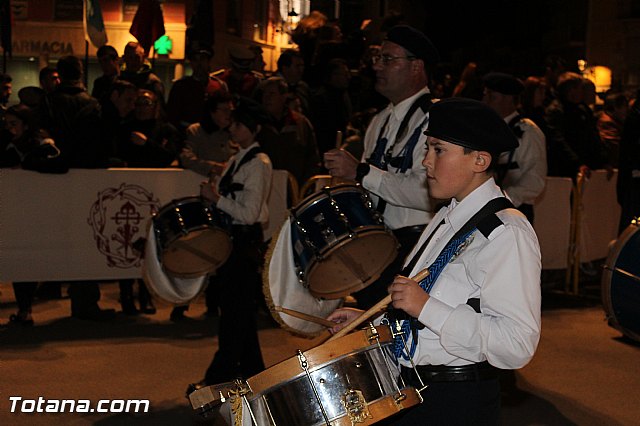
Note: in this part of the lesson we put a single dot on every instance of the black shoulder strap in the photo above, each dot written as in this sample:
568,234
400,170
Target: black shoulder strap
248,157
512,125
485,220
424,103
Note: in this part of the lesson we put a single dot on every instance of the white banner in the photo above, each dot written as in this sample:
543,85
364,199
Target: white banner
81,225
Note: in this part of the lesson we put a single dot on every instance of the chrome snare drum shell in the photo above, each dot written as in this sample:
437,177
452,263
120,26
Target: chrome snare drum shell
343,382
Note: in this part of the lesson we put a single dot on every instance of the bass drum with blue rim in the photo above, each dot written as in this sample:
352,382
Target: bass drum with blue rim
621,283
340,243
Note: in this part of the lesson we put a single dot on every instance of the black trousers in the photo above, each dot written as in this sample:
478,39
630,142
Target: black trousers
472,403
238,279
453,404
24,292
377,290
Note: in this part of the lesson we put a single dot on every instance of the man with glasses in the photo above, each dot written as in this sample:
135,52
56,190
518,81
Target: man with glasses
391,167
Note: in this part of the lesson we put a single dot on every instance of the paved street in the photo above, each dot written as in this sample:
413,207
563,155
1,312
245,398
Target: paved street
584,372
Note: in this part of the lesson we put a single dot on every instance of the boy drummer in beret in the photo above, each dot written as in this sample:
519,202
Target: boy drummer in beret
478,311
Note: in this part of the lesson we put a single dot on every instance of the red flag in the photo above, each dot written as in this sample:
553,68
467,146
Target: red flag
148,23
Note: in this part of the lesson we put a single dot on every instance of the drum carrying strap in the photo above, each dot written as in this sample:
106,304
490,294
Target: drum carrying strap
485,220
227,186
503,169
404,161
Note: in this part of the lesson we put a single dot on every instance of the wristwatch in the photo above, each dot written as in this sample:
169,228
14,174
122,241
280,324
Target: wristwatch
362,170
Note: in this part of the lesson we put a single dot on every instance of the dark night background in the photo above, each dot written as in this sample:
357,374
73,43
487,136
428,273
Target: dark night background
507,35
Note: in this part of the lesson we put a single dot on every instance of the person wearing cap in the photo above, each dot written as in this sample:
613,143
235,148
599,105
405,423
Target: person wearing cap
240,77
187,97
478,311
391,167
241,193
521,172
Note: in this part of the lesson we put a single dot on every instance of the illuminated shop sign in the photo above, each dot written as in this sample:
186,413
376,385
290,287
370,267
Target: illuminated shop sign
38,47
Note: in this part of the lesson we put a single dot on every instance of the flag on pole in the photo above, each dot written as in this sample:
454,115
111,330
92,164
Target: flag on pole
5,26
148,23
94,30
200,29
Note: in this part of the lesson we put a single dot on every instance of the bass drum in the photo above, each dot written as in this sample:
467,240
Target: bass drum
621,283
172,289
193,238
340,243
283,291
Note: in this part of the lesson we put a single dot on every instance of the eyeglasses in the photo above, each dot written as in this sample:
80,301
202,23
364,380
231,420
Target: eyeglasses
387,59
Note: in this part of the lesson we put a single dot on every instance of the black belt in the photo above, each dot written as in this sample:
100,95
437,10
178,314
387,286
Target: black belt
445,373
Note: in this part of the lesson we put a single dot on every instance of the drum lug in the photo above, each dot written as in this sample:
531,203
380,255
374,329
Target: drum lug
372,333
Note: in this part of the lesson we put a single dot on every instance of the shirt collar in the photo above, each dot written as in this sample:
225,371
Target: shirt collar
459,212
243,151
509,117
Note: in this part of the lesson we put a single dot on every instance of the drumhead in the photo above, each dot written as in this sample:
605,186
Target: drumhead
197,253
175,290
282,288
621,283
352,265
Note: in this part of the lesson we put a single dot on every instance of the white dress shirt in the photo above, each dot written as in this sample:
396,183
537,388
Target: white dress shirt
250,204
406,193
525,183
503,271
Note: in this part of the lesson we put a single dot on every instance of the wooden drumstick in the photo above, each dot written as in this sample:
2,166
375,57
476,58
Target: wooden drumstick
375,309
306,317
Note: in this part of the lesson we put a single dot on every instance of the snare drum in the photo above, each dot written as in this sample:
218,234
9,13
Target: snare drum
340,243
621,283
346,381
193,239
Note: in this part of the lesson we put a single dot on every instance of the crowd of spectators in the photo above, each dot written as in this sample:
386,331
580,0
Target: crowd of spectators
320,97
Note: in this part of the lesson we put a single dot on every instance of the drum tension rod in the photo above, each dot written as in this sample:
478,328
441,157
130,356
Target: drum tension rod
305,366
396,330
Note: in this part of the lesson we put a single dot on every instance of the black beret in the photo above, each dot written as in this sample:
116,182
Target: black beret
249,112
471,124
415,42
503,83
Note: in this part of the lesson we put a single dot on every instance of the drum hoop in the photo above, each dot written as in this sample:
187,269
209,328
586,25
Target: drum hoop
314,198
317,358
607,277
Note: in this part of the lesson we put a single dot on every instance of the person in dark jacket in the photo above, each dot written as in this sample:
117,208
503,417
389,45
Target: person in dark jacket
22,146
574,145
73,118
